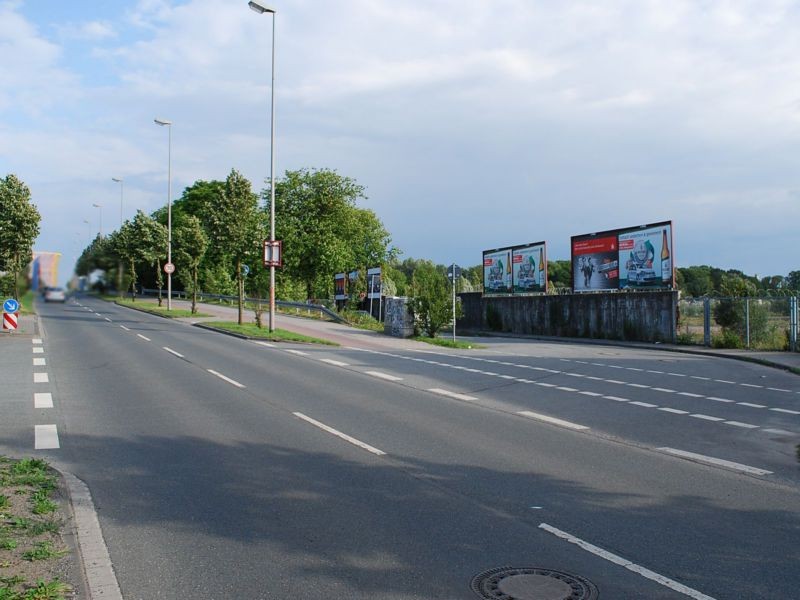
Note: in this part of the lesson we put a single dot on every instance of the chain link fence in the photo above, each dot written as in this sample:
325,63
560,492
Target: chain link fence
761,323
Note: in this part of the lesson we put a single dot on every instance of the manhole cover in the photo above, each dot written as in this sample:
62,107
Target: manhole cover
530,583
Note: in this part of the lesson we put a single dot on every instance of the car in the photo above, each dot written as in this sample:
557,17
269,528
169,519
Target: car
55,294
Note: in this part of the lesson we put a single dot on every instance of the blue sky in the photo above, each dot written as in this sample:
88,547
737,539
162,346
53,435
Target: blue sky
473,125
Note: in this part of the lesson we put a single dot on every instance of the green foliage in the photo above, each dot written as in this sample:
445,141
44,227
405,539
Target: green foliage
42,551
190,243
559,273
19,228
52,590
431,301
142,240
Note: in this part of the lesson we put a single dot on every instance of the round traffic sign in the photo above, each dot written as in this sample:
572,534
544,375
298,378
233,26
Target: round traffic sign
10,306
246,270
169,268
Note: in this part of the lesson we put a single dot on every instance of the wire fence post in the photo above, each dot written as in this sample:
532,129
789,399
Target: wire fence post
793,323
747,323
707,322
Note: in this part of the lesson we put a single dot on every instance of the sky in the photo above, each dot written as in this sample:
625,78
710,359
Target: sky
471,124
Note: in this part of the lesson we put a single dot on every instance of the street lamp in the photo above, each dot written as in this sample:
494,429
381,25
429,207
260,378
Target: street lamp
100,206
261,8
89,227
121,192
168,124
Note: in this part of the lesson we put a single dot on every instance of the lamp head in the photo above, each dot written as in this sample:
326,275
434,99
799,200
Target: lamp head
260,7
117,179
162,122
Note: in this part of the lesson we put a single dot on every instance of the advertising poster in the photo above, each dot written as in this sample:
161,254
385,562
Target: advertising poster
374,282
497,272
529,269
595,263
645,258
340,286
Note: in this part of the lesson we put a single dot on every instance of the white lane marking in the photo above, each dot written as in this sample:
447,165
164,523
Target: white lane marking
38,350
665,390
715,399
228,379
616,398
590,393
634,369
786,410
779,390
42,400
525,381
725,381
690,395
36,340
565,389
701,378
615,367
676,374
146,339
552,420
645,404
574,375
638,385
778,431
171,351
715,461
385,376
45,437
706,417
339,434
740,424
125,328
107,319
625,563
39,362
41,378
507,377
599,364
615,381
652,371
544,384
265,344
752,385
751,405
450,394
335,363
593,378
674,410
297,352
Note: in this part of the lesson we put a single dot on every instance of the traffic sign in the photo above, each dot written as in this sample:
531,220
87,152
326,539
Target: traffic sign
10,306
245,270
451,269
169,268
273,253
10,320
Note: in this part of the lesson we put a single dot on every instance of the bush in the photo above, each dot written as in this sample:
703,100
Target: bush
728,339
493,318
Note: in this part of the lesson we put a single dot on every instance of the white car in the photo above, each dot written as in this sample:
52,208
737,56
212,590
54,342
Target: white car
55,294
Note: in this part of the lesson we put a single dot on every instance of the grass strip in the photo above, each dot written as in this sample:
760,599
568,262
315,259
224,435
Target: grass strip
152,308
26,303
278,335
446,343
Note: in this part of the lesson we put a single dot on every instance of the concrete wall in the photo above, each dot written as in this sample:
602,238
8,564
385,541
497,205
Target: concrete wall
642,316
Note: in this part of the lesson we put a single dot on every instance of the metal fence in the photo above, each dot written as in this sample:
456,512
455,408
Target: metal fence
756,323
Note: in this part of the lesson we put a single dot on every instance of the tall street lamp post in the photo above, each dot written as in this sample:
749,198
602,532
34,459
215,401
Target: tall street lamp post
121,192
100,206
168,124
261,8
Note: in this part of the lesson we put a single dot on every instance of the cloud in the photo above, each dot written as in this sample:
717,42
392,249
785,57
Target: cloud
89,31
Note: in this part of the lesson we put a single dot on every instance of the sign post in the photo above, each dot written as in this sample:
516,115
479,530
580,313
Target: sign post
453,273
10,314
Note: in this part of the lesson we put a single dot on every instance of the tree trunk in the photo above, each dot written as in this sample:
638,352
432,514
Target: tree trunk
133,281
120,291
240,282
159,280
15,275
194,290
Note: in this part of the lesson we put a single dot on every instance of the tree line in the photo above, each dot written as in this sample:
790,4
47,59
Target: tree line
19,228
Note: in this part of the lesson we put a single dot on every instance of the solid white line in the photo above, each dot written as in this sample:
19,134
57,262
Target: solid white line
706,417
38,350
718,399
740,424
751,405
335,363
552,420
265,344
616,398
39,362
37,340
385,376
45,437
41,378
645,404
665,390
298,352
228,379
42,400
125,328
450,394
674,410
715,461
690,394
624,562
171,351
339,434
146,339
786,410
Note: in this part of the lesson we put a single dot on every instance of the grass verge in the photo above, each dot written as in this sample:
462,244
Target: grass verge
33,556
26,303
278,335
155,309
447,343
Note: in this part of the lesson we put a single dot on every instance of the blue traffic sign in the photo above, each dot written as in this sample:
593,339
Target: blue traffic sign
246,270
10,306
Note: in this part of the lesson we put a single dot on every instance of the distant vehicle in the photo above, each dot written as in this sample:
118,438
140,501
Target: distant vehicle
55,294
642,275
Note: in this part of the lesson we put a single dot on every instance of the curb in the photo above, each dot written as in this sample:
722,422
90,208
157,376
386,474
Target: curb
242,336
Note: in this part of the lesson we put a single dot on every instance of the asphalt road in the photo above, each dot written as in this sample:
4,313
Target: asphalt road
222,468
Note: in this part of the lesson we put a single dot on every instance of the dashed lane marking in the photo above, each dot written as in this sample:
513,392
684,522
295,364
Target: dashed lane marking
552,420
616,398
335,363
171,351
36,340
145,338
715,399
786,410
751,405
674,410
706,417
450,394
107,319
42,400
297,352
38,350
41,378
384,376
125,328
715,461
228,379
39,362
644,404
740,424
341,435
265,344
45,437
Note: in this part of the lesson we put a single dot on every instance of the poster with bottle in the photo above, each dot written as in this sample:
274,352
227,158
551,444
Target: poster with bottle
497,272
595,263
645,258
529,268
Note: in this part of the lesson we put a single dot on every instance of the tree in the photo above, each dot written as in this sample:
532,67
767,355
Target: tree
19,227
431,302
236,227
190,247
142,240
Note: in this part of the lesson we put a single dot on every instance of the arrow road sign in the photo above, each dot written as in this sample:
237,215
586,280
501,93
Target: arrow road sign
10,306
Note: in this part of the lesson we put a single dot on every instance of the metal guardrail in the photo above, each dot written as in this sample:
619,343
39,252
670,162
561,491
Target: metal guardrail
323,310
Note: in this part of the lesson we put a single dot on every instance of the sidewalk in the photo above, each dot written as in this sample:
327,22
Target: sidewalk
27,326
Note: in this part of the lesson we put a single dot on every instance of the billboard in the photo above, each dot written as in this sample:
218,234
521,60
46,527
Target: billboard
340,286
374,285
497,272
529,269
623,259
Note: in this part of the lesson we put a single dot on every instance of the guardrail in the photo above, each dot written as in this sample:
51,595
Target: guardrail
298,306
